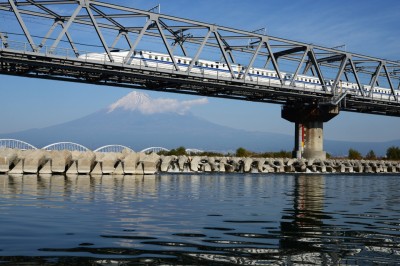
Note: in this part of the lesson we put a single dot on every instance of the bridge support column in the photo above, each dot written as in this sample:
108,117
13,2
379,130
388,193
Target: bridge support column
309,131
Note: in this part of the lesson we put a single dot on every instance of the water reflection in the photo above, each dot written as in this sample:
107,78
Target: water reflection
199,219
302,226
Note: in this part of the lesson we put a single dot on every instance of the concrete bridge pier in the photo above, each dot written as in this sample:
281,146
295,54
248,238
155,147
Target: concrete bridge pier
309,128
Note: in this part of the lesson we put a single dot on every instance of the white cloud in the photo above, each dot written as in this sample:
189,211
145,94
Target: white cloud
146,105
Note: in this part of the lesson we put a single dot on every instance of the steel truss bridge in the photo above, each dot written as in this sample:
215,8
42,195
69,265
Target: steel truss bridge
43,39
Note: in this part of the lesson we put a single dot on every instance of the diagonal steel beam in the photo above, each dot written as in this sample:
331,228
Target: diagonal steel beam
116,40
176,36
45,9
126,36
274,62
267,61
299,67
164,39
331,59
52,28
105,16
66,27
346,76
96,27
339,74
60,21
289,51
360,86
253,59
196,57
138,39
390,81
23,26
308,66
375,76
225,56
314,62
69,38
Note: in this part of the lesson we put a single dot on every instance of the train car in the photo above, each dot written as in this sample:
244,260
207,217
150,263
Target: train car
221,70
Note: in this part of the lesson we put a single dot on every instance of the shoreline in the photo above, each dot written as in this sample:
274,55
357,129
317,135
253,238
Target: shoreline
14,161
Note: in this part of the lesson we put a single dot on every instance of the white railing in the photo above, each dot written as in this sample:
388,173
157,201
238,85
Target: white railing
16,144
113,148
69,146
154,150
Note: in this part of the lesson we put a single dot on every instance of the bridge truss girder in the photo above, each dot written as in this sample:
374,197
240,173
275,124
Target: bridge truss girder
109,22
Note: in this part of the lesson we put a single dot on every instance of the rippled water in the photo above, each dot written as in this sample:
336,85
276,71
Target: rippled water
200,219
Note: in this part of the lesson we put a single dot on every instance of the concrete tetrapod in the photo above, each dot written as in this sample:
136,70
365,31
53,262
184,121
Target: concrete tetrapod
165,163
7,158
33,160
130,163
195,163
60,161
86,162
150,163
182,162
108,161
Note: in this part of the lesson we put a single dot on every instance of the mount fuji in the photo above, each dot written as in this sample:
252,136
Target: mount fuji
138,121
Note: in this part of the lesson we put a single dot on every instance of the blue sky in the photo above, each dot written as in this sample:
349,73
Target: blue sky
365,27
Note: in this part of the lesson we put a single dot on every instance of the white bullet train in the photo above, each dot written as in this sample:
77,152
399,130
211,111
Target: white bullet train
219,69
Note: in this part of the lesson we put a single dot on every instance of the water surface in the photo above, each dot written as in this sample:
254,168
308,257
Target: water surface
240,219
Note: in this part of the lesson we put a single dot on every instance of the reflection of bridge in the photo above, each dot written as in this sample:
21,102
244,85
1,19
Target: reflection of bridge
307,103
70,146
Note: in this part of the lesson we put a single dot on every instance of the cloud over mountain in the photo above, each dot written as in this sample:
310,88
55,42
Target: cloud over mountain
137,101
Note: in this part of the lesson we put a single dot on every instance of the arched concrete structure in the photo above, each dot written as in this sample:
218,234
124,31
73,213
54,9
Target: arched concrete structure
69,146
113,148
154,150
16,144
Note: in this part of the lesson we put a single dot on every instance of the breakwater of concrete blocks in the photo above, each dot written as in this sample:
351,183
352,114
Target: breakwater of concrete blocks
14,161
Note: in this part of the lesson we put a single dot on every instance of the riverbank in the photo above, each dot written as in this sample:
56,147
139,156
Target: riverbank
15,161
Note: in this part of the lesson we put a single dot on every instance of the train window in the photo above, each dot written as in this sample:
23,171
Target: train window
168,59
206,64
150,56
156,57
179,61
217,66
212,65
162,58
141,53
196,63
134,53
223,65
258,72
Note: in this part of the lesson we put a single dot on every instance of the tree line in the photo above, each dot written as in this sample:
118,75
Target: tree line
392,153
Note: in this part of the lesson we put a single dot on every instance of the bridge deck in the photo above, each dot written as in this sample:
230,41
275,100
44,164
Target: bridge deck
47,66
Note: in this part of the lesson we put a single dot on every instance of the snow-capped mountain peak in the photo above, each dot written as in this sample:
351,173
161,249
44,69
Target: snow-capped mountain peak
138,101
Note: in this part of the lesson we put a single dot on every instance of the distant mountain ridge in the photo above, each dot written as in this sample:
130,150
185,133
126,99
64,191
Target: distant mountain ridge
139,122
